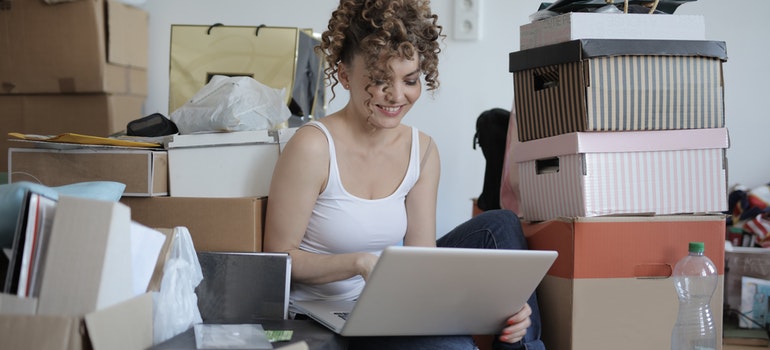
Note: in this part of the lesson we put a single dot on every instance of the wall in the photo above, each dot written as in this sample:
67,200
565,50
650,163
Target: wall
474,77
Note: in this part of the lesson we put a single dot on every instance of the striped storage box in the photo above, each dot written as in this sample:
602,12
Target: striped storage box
618,85
589,174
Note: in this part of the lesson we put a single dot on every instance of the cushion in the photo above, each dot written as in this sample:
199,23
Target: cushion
12,196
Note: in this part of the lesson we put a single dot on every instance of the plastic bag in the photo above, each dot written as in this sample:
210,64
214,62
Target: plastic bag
232,104
176,304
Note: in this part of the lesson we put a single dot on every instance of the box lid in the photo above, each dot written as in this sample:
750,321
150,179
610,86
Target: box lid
220,139
621,141
577,50
625,246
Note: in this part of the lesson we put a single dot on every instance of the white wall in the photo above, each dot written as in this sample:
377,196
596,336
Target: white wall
474,77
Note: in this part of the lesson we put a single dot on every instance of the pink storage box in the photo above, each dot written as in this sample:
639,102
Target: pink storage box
585,174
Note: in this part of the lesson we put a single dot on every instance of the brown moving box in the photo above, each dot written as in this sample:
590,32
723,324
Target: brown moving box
610,287
215,224
124,326
83,46
86,300
88,114
143,171
618,85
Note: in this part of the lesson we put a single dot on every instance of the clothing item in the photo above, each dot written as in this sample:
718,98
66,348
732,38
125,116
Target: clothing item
343,223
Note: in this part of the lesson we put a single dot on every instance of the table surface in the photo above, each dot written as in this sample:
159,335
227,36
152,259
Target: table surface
316,336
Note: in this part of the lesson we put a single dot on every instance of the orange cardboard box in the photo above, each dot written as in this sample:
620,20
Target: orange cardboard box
611,287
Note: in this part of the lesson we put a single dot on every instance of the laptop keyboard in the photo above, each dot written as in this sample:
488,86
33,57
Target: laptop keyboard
342,315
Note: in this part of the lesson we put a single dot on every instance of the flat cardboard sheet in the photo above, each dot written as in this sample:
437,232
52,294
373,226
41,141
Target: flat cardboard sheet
88,267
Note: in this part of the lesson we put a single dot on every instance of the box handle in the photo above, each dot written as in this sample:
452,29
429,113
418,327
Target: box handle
650,271
547,166
546,79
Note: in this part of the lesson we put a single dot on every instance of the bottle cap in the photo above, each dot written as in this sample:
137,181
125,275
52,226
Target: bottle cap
696,247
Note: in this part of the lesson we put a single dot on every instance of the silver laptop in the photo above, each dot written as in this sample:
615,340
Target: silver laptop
437,291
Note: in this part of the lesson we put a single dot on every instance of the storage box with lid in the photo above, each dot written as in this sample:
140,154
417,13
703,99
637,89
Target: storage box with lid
618,85
227,164
596,25
143,171
611,286
586,174
86,46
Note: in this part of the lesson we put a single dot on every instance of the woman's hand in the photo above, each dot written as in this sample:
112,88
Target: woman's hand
365,264
517,325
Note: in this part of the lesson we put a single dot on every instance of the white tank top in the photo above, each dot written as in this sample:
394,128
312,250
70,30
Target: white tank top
344,223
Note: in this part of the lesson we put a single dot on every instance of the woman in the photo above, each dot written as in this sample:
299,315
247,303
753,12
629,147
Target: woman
359,180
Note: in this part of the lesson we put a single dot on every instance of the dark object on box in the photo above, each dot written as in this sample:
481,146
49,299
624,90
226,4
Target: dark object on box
491,133
243,287
618,85
564,6
153,125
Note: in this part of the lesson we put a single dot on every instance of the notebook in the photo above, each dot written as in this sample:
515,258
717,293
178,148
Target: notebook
243,287
436,291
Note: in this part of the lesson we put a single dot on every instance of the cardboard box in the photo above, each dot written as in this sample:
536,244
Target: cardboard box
86,46
88,261
585,25
586,174
229,164
743,262
86,300
143,171
88,114
125,326
215,224
618,85
12,304
610,287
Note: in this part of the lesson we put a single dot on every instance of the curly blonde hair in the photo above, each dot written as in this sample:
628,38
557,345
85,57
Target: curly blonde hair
381,30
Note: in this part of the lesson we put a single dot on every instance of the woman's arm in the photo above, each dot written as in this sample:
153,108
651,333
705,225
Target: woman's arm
421,200
299,176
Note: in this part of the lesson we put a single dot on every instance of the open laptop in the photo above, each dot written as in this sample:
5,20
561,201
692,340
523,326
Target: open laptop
437,291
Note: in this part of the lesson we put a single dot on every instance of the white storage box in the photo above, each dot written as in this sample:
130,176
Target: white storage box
228,164
583,25
626,172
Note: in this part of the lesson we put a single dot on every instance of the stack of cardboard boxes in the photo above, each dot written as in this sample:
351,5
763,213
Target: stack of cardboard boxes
619,147
214,184
79,67
76,67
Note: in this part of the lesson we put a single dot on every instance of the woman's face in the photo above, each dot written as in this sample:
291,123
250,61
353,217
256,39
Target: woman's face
389,101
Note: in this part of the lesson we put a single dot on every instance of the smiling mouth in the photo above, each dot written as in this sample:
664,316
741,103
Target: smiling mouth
390,109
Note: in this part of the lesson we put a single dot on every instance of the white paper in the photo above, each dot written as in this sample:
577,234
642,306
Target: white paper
231,336
146,244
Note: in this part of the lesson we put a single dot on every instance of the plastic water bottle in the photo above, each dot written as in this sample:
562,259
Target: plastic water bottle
695,279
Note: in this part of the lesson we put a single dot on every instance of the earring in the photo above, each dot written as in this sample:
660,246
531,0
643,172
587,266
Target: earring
347,86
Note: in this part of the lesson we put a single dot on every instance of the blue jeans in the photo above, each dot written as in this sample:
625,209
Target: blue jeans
493,229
